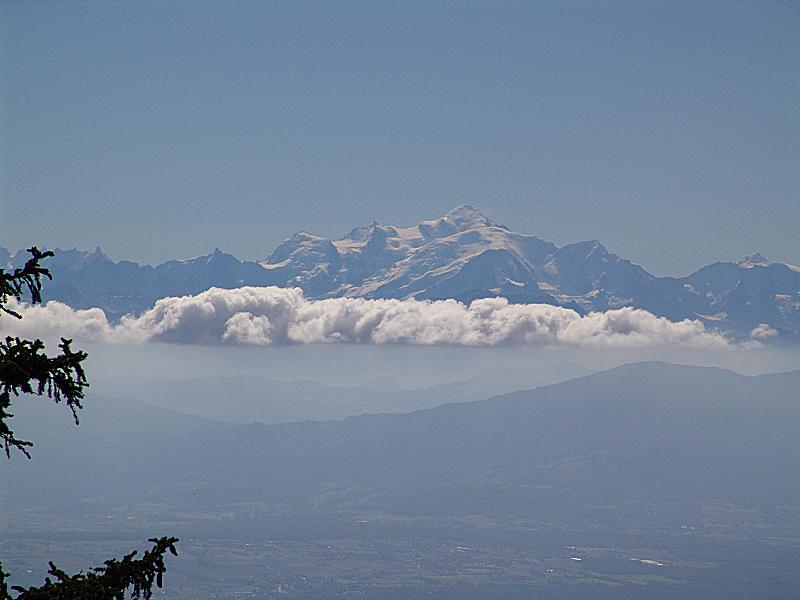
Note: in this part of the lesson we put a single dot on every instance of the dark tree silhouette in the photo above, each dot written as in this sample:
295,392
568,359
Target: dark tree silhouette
102,583
26,369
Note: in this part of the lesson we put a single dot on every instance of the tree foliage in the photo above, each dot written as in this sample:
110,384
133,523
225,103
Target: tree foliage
25,368
30,277
102,583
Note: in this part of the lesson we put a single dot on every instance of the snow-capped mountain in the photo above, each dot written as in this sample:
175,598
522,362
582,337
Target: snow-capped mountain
462,255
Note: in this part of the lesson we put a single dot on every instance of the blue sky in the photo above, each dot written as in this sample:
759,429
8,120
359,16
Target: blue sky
669,131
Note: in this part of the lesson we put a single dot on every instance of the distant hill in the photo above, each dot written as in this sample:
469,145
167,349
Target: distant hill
642,433
648,432
462,255
257,399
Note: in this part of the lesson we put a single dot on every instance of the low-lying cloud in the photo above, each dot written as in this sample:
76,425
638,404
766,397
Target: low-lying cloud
264,316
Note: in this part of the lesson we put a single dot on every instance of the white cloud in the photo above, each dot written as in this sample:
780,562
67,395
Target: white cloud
56,320
281,316
763,331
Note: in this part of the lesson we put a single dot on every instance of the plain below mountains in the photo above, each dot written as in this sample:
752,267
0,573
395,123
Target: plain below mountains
649,480
462,255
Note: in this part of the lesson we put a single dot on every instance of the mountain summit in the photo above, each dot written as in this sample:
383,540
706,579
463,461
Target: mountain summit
462,255
747,262
461,218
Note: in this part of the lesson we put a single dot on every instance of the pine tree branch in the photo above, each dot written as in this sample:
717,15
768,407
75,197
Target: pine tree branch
109,582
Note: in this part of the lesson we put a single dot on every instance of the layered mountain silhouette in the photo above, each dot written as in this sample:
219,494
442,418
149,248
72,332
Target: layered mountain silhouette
641,433
257,399
463,255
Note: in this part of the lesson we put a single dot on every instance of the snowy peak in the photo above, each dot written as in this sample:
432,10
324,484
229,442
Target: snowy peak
401,242
462,218
364,234
217,257
748,262
585,250
302,245
466,255
72,259
463,255
465,216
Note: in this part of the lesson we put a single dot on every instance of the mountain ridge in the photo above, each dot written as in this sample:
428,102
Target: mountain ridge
463,255
642,432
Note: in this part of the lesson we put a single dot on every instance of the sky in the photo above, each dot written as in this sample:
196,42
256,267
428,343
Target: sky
670,131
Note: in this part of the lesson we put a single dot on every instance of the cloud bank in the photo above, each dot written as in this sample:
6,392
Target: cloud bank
263,316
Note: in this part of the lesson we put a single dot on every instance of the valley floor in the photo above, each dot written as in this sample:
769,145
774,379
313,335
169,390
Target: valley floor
375,557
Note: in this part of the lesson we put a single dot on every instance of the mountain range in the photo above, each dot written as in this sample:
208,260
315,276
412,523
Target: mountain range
463,255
